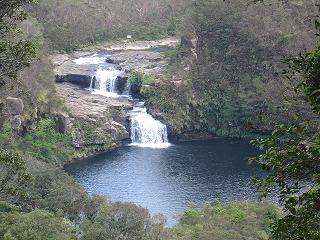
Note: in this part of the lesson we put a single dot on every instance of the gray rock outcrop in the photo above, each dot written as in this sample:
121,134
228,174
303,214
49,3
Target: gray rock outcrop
15,109
93,120
15,106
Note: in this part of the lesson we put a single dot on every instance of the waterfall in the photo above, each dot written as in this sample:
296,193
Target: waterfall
105,82
145,130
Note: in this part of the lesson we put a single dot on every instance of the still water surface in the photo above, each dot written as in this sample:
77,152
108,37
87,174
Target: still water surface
165,180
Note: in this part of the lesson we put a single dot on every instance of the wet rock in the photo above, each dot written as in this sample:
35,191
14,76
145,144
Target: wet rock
94,82
121,83
83,81
118,67
15,106
109,60
114,60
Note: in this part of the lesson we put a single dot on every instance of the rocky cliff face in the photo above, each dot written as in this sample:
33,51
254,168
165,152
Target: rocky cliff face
96,123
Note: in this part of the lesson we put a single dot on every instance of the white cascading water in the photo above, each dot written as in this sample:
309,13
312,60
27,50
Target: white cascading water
91,60
147,131
105,82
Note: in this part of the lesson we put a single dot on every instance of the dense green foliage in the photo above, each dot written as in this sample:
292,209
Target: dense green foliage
135,79
140,81
36,225
46,144
123,221
15,51
292,157
13,176
226,72
237,70
42,142
25,70
233,222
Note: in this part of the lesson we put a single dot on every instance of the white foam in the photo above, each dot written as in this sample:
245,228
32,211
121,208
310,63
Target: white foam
151,145
105,94
94,60
146,131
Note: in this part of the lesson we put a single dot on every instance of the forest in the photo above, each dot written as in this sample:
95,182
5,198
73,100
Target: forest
247,70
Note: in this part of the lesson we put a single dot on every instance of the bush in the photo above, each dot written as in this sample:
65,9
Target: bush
46,144
55,191
138,80
7,136
148,79
123,221
226,221
135,79
36,225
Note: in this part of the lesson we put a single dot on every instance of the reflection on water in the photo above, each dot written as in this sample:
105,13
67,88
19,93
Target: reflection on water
164,180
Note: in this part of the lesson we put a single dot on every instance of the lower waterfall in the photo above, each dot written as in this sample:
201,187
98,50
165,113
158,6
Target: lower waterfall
145,130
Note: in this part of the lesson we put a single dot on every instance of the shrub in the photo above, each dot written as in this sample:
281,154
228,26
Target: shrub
135,79
7,136
123,221
226,221
36,225
46,144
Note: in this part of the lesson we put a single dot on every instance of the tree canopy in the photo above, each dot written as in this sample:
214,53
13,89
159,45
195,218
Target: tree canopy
15,52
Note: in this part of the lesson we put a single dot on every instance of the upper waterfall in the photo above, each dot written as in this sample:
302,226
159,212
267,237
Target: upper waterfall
105,82
104,79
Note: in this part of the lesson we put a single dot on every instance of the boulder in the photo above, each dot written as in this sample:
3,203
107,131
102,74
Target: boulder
94,82
116,60
15,106
64,123
156,59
